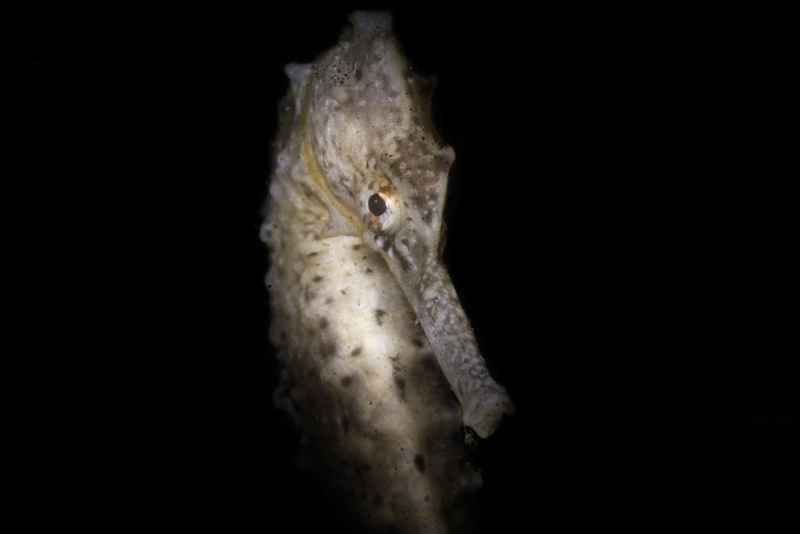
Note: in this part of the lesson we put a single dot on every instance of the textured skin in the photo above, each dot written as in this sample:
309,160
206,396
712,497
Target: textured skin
369,327
483,400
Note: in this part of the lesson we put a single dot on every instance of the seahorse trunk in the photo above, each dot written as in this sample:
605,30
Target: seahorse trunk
363,383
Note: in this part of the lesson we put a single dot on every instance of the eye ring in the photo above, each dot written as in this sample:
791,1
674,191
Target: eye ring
376,204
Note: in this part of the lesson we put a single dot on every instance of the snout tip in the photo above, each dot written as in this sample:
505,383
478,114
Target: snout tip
487,409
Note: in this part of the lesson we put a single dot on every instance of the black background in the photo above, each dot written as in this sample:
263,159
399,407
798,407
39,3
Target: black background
613,214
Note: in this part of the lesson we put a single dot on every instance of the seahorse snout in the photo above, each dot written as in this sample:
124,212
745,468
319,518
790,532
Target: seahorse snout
430,291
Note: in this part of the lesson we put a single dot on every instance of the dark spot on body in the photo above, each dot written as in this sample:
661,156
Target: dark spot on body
368,270
328,300
379,315
327,349
400,382
356,351
419,462
428,360
347,381
356,247
312,254
323,323
317,279
343,291
418,343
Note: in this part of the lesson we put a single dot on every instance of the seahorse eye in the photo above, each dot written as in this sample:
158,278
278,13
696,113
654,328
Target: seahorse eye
377,206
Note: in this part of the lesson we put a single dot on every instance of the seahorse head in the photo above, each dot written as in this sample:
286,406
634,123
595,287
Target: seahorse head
369,131
371,149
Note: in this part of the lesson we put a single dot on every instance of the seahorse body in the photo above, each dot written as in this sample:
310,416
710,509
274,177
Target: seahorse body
381,367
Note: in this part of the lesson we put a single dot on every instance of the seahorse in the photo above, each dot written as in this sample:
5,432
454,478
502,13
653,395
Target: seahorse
381,369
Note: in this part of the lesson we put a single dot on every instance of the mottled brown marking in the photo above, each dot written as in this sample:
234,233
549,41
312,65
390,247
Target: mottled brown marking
429,364
317,279
379,315
327,349
347,381
400,382
356,351
419,462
